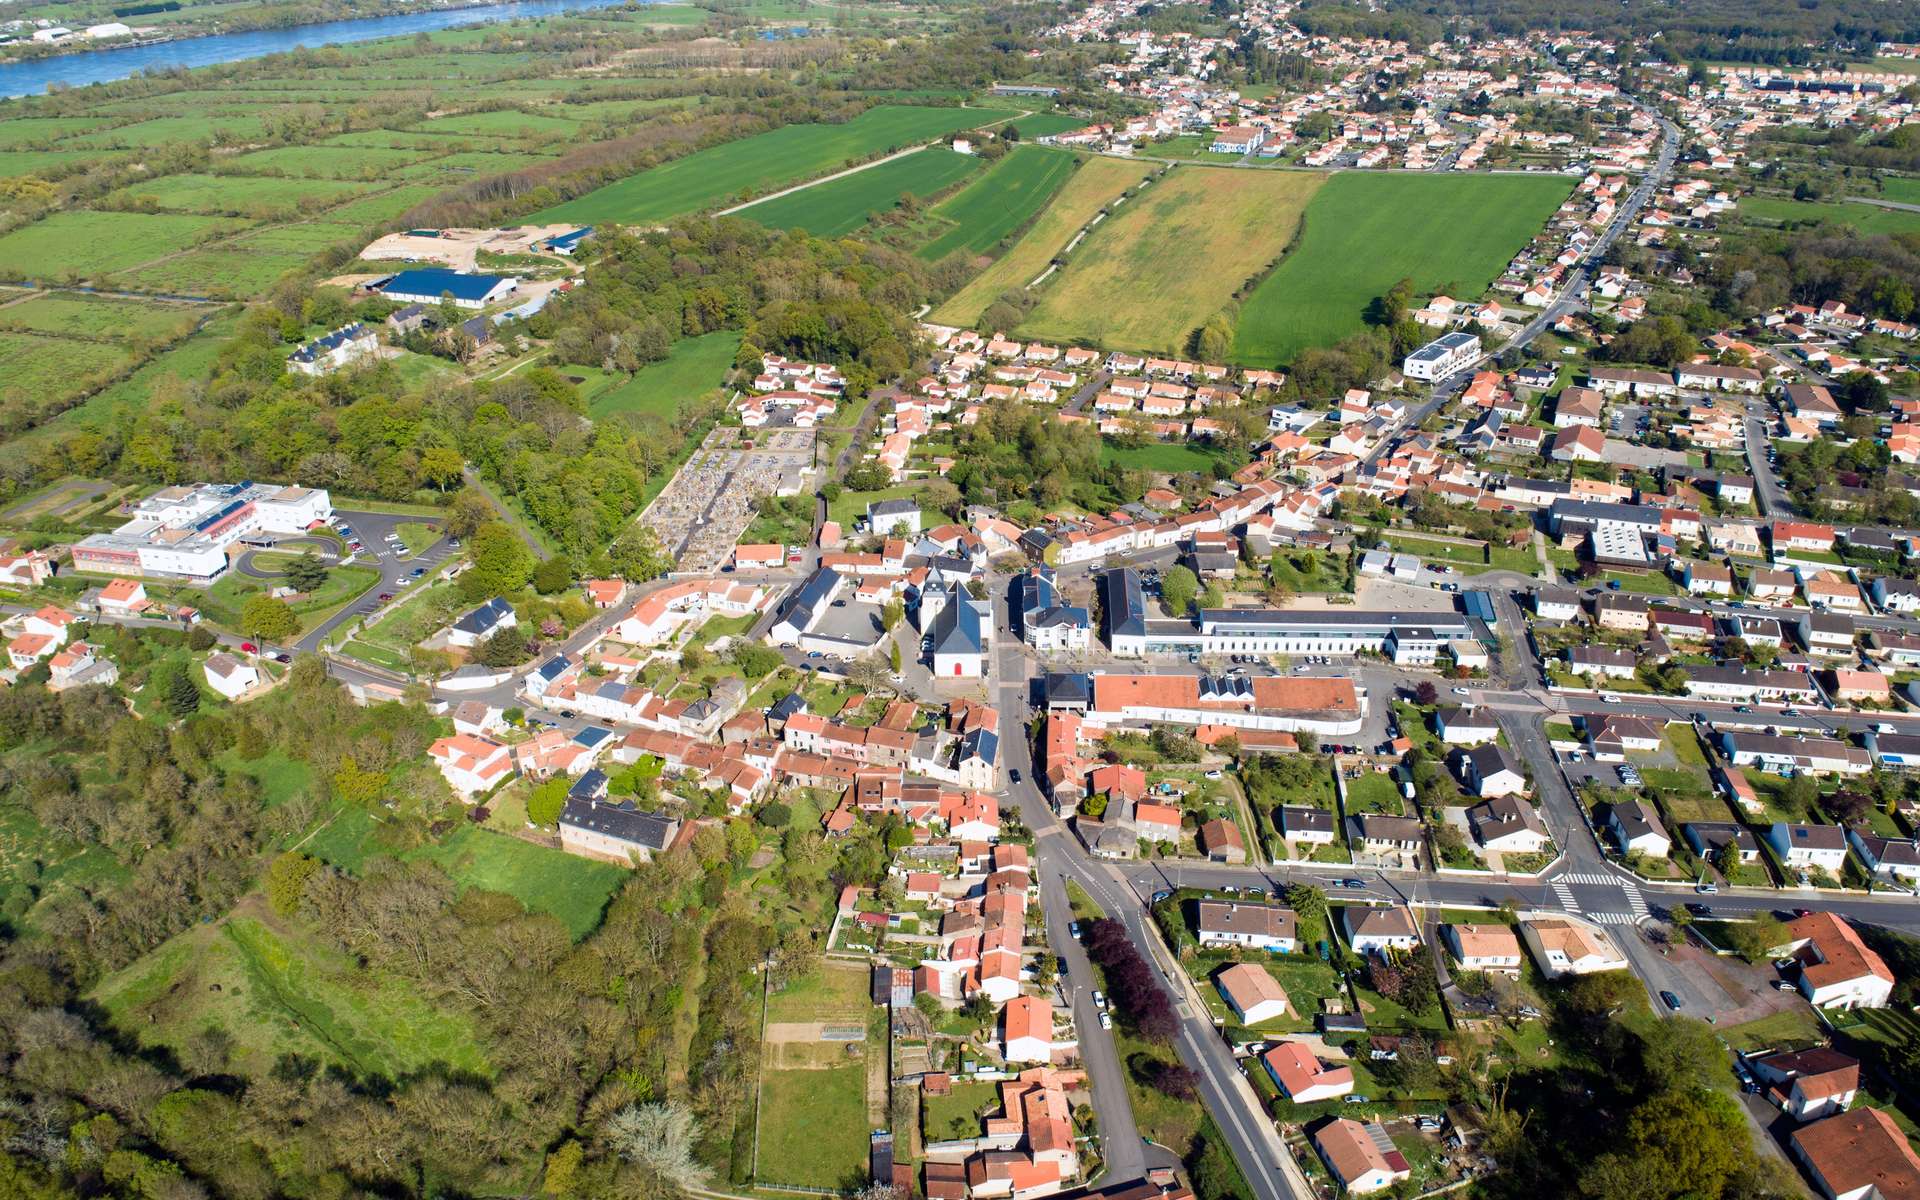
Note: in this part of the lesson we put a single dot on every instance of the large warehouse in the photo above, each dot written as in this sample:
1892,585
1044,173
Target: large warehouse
428,285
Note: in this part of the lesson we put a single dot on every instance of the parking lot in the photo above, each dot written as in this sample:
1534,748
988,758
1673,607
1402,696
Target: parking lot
373,542
702,513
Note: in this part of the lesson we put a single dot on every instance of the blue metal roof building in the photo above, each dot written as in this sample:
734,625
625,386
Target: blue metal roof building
429,284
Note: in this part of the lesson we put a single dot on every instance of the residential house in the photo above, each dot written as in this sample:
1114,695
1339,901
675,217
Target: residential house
1492,770
478,624
1895,859
1483,947
471,765
230,676
1808,1084
1563,947
1465,726
1835,968
1360,1156
1256,926
1858,1155
1809,847
1220,841
1508,824
1252,993
1636,829
1303,1078
1374,930
1027,1030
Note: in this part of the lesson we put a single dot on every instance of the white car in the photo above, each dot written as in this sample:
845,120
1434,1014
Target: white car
1106,1022
1461,692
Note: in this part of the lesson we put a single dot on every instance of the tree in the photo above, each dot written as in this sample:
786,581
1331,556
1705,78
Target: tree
180,694
267,618
508,647
1178,587
501,563
637,556
1426,693
307,573
774,815
1756,939
441,466
754,660
659,1136
546,800
553,576
930,1007
471,509
1309,904
287,878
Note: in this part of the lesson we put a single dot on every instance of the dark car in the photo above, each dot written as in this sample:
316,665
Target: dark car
385,596
283,658
1013,774
1670,1000
567,713
1698,909
1353,883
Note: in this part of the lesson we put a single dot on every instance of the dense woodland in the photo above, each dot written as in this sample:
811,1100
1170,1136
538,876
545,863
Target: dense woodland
592,1088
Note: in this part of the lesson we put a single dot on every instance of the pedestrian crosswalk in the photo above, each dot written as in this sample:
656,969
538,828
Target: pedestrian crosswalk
1614,918
1636,903
1589,877
1564,895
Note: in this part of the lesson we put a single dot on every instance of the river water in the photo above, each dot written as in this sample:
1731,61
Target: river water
103,66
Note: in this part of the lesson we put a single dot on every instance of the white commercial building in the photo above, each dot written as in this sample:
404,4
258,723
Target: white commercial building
185,532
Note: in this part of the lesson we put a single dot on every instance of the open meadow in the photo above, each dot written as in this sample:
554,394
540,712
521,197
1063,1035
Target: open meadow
990,208
1171,257
1097,183
1366,230
695,366
763,163
840,206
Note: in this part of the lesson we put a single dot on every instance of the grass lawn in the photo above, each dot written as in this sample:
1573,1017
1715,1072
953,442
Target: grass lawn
1366,230
982,214
1170,457
1094,186
831,992
277,992
230,592
693,367
1172,257
1796,1028
837,207
1374,792
1686,745
1867,218
71,315
572,888
762,163
848,506
280,778
813,1125
1651,583
957,1115
417,536
1046,124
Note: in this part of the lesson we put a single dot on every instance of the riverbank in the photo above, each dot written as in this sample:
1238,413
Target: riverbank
106,64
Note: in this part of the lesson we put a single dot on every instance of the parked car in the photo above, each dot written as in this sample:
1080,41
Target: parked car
1013,773
1670,1000
1359,1100
1106,1022
249,647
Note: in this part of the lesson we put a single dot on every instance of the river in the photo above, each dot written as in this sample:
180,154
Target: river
31,77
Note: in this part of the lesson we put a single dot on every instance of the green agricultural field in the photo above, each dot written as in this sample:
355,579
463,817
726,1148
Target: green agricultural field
763,163
277,993
505,122
695,366
98,317
1171,257
1046,124
14,163
1366,230
190,360
837,207
1899,189
228,272
230,196
39,131
37,370
813,1125
572,888
84,245
326,162
1867,218
162,130
1095,185
471,164
383,206
989,209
